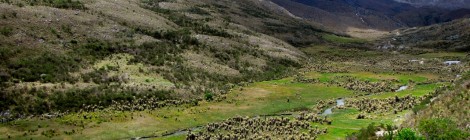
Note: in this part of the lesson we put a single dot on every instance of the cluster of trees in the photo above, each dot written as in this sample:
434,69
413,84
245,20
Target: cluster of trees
37,101
258,128
53,67
65,4
396,104
353,83
48,67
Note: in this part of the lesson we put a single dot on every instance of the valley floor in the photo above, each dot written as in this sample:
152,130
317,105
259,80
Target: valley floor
320,82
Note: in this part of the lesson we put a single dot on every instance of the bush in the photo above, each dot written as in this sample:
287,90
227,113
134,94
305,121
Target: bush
47,67
6,31
441,129
407,134
364,133
209,96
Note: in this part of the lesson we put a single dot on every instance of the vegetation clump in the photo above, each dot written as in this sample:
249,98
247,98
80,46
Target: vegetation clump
352,83
396,104
258,128
65,4
441,129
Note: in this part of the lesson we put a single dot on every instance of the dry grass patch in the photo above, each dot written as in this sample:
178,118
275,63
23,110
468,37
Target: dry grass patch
138,75
208,64
130,12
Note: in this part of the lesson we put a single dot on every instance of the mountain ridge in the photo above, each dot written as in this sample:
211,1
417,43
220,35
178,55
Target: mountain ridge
384,15
449,4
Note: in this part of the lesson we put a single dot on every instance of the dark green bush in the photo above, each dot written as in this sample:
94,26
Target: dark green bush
441,129
208,96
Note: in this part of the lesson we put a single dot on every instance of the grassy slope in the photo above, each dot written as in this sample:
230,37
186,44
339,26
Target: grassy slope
452,104
191,49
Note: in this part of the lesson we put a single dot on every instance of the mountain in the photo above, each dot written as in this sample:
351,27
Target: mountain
370,14
449,4
188,48
450,36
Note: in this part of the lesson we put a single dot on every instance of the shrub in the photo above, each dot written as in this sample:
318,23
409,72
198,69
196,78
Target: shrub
197,10
65,4
47,67
407,134
6,31
209,96
364,133
72,100
441,129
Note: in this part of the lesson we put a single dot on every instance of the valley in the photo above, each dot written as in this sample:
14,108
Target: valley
224,69
314,89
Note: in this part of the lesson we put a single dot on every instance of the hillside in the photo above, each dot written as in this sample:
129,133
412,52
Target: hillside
171,49
451,36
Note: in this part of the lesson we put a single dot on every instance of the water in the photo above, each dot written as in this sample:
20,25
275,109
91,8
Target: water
327,112
339,102
402,88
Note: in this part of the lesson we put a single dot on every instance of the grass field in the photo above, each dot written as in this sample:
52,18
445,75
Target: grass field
340,39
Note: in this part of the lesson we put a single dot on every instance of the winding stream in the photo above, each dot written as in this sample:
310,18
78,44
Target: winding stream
339,102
